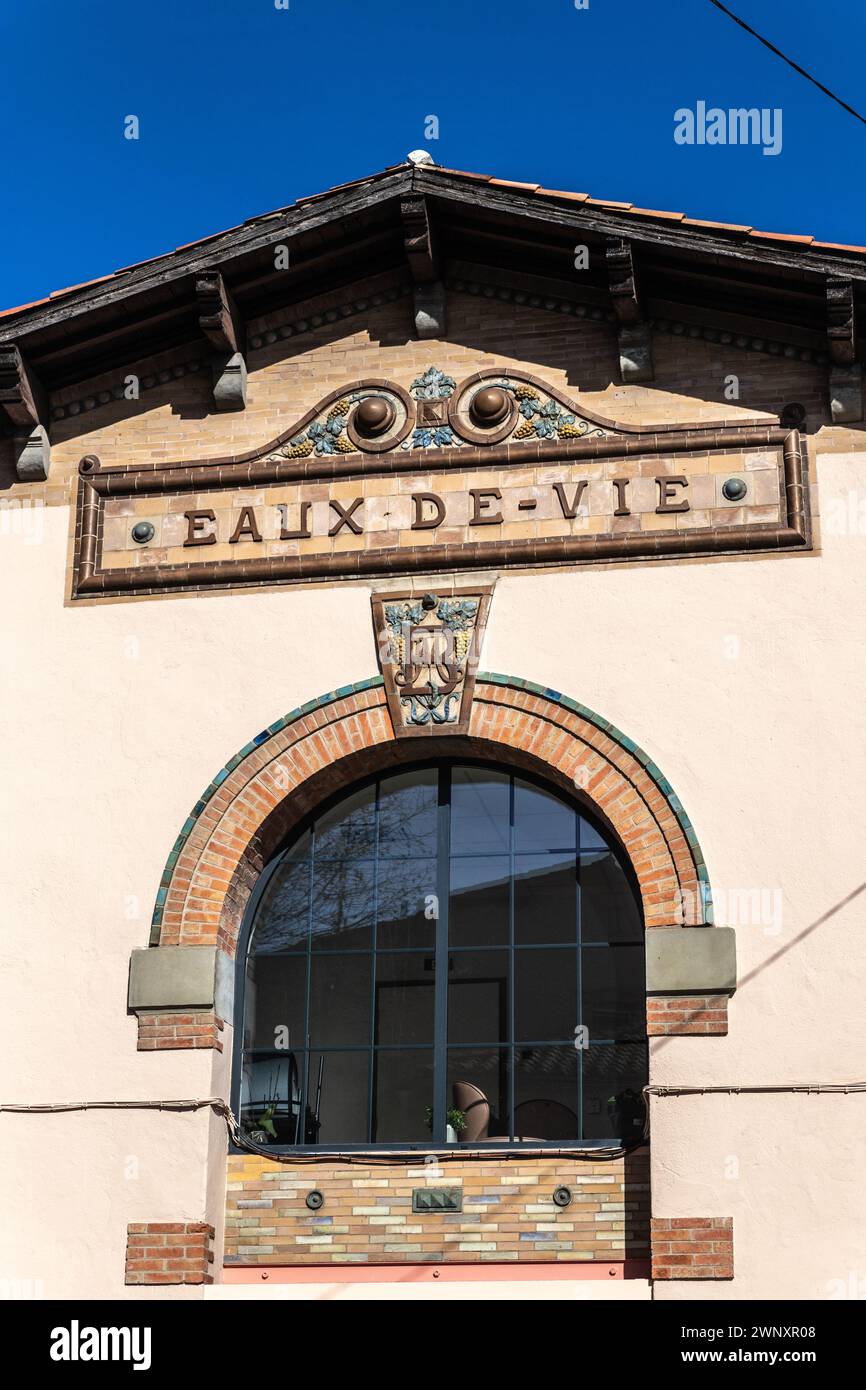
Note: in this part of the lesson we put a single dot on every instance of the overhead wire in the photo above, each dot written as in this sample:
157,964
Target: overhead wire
717,4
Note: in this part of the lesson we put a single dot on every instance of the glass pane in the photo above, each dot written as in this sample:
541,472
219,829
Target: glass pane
478,1089
542,821
340,1013
270,1097
612,1101
589,837
546,1088
608,910
403,1096
408,814
614,992
478,997
343,905
276,994
408,903
478,905
479,811
545,897
339,1114
284,912
405,987
347,831
546,993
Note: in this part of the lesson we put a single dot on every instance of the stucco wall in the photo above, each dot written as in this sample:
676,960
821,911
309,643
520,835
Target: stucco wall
742,679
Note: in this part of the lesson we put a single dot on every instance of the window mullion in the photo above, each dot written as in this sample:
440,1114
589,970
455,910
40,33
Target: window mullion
511,1053
372,1052
443,888
304,1079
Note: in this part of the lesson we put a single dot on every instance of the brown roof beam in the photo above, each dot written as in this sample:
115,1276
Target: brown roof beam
846,373
25,401
419,238
634,334
223,326
841,320
218,315
419,241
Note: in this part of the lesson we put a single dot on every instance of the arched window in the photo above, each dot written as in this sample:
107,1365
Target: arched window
447,954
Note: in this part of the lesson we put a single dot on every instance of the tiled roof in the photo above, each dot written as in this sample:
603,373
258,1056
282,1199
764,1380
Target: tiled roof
649,214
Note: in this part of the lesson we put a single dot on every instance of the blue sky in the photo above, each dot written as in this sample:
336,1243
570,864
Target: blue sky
244,107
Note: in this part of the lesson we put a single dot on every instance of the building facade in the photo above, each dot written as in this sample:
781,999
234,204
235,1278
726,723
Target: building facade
435,758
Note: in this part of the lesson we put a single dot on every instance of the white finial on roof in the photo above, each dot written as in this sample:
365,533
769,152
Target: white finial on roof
420,157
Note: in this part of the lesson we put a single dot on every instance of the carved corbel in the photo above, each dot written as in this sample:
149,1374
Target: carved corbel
25,401
222,325
846,375
633,332
420,247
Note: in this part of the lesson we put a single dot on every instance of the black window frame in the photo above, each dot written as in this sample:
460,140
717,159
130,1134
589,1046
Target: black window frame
440,1046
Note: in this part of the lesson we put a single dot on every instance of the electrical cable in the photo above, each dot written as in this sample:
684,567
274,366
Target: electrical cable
242,1141
785,59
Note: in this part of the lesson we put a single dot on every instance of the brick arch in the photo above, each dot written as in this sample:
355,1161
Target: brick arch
290,767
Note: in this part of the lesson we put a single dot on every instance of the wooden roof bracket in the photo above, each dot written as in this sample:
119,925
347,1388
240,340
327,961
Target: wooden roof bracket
419,241
25,402
222,325
634,334
846,373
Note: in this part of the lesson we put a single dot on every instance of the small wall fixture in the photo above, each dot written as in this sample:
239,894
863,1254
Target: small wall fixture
793,417
734,489
562,1196
315,1199
142,532
437,1199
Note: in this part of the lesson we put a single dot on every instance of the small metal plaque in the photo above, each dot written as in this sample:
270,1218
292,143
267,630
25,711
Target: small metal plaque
437,1199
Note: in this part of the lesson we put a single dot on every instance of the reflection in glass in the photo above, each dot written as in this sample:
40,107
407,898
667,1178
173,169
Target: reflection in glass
608,908
284,914
542,822
480,814
545,897
343,905
546,993
340,1000
478,997
613,1079
348,830
405,988
277,985
407,895
478,912
614,991
408,814
402,1095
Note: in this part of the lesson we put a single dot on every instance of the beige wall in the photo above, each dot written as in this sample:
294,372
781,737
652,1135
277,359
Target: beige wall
742,679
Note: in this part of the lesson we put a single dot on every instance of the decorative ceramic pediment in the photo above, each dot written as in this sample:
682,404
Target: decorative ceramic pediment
490,407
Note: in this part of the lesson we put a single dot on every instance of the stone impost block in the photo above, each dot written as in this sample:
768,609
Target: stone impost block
181,977
691,960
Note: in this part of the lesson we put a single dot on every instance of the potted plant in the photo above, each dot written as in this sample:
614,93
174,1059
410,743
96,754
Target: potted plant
455,1123
264,1130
